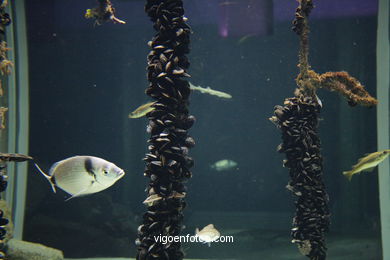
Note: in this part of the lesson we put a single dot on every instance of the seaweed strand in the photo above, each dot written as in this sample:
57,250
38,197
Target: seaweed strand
309,81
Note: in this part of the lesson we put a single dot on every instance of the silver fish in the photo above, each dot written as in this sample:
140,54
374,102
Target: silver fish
82,175
208,234
210,91
224,165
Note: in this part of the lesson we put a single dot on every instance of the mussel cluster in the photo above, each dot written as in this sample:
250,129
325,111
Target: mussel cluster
3,177
298,121
3,221
3,232
167,162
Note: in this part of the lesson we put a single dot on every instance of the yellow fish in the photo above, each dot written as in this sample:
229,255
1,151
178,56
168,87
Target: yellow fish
142,110
367,163
89,14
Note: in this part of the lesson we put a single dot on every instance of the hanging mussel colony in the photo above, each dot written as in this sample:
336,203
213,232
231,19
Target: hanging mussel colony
4,65
167,162
298,121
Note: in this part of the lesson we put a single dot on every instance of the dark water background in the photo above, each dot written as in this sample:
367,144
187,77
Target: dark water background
85,79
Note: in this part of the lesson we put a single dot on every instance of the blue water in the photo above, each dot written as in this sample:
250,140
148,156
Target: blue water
85,79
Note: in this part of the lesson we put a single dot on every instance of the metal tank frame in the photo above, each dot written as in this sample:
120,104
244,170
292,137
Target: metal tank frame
383,122
18,113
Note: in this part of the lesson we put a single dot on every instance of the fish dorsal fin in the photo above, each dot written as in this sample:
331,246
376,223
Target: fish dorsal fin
64,162
53,167
209,226
196,231
362,159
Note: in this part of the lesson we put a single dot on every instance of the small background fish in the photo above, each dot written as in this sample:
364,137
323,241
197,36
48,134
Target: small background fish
367,163
142,110
210,91
224,165
207,234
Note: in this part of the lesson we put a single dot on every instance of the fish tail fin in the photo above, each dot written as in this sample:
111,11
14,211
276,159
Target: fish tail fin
48,177
348,174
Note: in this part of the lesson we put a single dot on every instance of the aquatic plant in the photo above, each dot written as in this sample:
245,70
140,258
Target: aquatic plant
3,110
298,121
167,163
309,81
5,64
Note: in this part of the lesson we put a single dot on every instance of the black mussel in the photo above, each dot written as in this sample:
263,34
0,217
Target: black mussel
279,114
163,58
172,163
189,121
162,74
154,225
189,161
141,229
190,142
168,66
157,47
185,150
167,51
168,79
2,232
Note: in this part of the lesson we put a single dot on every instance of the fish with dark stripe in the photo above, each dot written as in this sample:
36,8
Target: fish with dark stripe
82,175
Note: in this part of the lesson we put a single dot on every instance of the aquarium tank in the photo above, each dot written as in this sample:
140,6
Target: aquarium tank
194,129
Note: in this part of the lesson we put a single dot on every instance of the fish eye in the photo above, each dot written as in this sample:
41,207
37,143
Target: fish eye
105,171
